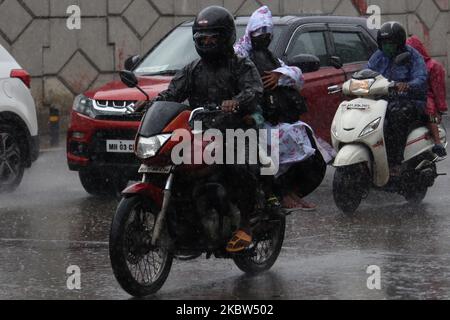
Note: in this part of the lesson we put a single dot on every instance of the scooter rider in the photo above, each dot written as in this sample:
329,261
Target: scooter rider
411,84
222,78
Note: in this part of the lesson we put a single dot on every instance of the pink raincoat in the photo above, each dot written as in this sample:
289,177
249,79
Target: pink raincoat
437,102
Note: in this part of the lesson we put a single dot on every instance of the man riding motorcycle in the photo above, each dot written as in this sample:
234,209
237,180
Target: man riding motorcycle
221,78
411,84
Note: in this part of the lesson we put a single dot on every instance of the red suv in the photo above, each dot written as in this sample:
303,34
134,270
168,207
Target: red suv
103,126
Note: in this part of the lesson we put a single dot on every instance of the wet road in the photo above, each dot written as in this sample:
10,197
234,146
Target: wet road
50,223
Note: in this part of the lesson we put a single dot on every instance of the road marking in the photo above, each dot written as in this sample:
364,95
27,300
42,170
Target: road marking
52,150
97,243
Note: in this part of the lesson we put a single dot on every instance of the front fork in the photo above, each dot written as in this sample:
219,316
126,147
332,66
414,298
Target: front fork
165,206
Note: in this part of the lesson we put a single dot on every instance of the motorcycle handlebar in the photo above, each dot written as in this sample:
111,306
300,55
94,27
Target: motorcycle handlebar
214,108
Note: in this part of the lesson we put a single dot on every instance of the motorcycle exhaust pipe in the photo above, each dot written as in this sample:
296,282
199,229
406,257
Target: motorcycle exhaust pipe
165,206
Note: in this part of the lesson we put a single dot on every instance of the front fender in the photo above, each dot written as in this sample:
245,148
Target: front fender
146,190
352,154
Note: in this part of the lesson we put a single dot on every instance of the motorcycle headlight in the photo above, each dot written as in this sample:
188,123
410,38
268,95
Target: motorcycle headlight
370,128
84,105
149,147
361,87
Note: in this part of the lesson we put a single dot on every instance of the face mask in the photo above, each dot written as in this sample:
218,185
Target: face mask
261,42
390,50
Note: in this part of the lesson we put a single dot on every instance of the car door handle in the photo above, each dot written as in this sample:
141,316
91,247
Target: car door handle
334,89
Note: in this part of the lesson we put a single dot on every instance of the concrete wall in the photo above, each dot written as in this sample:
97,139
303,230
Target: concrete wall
66,62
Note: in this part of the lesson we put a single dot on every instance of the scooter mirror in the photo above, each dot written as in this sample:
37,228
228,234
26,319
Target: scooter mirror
129,78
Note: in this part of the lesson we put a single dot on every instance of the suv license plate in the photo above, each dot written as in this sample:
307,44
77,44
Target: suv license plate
120,146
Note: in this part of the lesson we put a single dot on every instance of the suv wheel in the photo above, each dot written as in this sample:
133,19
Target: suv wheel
11,162
101,184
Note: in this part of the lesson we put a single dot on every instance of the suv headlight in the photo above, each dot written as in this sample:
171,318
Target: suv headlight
361,87
84,105
370,128
149,147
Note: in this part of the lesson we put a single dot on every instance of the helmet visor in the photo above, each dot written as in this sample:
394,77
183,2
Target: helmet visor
207,39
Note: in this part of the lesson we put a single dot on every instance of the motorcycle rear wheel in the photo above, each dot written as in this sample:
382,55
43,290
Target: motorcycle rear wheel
265,250
140,269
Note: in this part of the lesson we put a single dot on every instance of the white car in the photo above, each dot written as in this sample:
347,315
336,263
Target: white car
19,140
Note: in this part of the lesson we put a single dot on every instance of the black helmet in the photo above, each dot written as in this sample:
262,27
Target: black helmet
392,32
218,23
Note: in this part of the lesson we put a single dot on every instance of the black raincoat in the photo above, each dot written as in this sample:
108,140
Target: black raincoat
204,84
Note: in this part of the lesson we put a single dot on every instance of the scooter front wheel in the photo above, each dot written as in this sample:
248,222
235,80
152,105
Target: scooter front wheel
350,185
140,268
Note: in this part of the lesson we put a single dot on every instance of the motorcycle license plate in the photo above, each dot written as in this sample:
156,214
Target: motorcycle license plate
120,146
153,169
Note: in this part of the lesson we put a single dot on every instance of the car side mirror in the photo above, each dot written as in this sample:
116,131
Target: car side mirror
336,62
402,58
306,62
132,62
129,78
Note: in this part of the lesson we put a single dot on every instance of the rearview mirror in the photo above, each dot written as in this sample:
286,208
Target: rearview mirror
132,62
306,62
129,78
402,58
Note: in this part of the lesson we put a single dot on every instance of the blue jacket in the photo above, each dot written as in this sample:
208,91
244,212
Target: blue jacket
414,73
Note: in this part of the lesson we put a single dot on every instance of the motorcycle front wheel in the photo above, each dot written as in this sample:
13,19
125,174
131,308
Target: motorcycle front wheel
265,249
350,185
140,268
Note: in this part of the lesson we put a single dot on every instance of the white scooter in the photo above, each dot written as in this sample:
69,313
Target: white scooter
358,137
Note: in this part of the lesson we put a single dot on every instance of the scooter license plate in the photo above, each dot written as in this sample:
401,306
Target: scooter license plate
357,106
153,169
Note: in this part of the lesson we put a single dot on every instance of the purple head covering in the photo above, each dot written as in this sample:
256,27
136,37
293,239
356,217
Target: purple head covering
261,21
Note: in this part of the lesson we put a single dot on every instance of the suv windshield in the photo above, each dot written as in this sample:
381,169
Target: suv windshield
177,50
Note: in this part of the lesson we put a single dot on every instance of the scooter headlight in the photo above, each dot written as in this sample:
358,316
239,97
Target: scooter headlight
334,130
361,87
149,147
370,128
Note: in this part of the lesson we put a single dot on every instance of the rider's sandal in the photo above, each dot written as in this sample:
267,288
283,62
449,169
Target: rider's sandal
306,206
240,241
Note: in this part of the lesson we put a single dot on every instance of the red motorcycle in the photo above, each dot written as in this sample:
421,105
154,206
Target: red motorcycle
180,211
